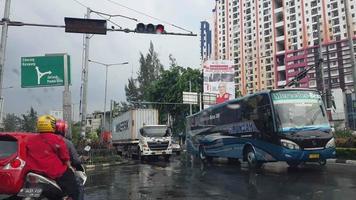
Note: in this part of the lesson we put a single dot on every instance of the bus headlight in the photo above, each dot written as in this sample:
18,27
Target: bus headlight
330,144
289,144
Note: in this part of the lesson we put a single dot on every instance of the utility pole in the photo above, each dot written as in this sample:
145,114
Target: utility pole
2,49
352,56
190,90
67,104
351,46
85,80
319,71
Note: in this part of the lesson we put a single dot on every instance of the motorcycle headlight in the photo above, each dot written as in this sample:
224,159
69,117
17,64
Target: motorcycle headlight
331,143
289,144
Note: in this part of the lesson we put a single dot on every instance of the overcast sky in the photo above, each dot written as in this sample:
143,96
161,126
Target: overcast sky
111,48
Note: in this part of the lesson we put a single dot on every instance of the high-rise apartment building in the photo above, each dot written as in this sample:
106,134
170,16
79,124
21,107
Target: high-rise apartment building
271,41
205,41
222,34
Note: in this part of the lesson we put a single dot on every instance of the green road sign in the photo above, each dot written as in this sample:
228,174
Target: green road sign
43,71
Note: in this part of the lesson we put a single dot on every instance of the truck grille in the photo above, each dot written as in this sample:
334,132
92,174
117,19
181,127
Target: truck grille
158,145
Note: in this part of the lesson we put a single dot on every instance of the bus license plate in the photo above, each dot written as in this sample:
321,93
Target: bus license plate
314,156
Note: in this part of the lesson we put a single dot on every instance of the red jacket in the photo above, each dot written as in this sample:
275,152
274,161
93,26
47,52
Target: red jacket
47,154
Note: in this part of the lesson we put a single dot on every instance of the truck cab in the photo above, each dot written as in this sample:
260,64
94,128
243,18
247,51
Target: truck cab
155,140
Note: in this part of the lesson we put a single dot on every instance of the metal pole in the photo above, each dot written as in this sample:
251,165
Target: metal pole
320,62
111,108
85,80
3,48
351,47
67,105
190,90
106,86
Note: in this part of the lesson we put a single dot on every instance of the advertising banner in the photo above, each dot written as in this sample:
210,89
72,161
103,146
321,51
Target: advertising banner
218,81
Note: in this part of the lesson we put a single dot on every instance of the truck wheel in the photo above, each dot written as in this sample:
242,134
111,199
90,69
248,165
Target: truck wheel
166,157
252,161
139,155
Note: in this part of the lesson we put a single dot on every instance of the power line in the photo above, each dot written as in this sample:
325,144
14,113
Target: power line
150,16
100,14
78,2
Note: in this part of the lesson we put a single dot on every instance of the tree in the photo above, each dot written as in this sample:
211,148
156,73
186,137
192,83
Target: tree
11,123
132,91
29,120
169,89
150,70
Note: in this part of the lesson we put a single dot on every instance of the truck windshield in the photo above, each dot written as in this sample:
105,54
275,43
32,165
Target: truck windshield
155,131
297,110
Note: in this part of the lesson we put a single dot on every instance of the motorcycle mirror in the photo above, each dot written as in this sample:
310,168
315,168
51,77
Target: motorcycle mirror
87,148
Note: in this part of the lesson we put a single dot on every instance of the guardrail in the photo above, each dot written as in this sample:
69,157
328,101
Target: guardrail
99,156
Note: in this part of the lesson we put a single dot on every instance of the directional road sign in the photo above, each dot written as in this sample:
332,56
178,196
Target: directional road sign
43,71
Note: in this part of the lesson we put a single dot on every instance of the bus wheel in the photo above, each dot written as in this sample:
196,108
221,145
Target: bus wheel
293,164
252,161
202,155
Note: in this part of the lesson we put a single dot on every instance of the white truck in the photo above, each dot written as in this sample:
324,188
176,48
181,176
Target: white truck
136,133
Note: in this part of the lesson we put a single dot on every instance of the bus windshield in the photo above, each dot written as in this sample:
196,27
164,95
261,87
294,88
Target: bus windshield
299,110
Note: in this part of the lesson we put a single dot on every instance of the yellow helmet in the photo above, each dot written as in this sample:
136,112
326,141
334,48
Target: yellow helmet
46,124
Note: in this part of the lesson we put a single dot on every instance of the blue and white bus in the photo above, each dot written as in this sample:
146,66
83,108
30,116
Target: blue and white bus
276,125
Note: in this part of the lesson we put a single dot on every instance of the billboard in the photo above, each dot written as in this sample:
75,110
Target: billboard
218,81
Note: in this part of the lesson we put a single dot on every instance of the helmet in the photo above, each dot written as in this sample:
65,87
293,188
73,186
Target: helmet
61,127
46,124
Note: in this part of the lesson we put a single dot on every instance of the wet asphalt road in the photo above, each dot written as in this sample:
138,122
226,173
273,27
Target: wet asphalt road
185,179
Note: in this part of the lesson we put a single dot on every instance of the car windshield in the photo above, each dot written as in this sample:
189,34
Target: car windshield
298,110
7,148
155,131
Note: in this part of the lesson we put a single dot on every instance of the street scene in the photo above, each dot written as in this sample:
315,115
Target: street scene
181,179
156,99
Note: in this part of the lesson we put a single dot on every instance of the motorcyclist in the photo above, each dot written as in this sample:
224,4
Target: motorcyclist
61,129
47,154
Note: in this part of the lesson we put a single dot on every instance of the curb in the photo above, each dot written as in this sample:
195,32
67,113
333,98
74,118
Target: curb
351,162
102,165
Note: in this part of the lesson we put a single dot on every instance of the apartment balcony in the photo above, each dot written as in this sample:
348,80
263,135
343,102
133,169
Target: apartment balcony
280,38
279,24
278,10
281,68
281,83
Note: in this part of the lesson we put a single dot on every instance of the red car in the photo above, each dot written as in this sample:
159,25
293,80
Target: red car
12,161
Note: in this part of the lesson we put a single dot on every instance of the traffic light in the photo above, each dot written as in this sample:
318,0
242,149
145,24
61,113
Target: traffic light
150,28
79,25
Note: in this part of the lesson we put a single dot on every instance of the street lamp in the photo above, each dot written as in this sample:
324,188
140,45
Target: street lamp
106,83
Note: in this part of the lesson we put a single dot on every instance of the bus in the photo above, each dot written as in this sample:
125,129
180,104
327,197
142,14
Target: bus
288,125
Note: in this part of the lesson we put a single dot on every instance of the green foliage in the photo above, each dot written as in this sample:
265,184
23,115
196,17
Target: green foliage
343,133
150,70
346,153
76,133
169,89
132,91
93,136
29,121
12,123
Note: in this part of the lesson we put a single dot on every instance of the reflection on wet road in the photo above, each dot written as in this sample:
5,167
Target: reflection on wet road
182,179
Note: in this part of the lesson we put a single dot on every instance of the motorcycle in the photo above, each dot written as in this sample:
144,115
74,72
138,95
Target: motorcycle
40,187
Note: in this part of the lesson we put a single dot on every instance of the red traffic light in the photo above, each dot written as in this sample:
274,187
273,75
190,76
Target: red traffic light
150,28
160,29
